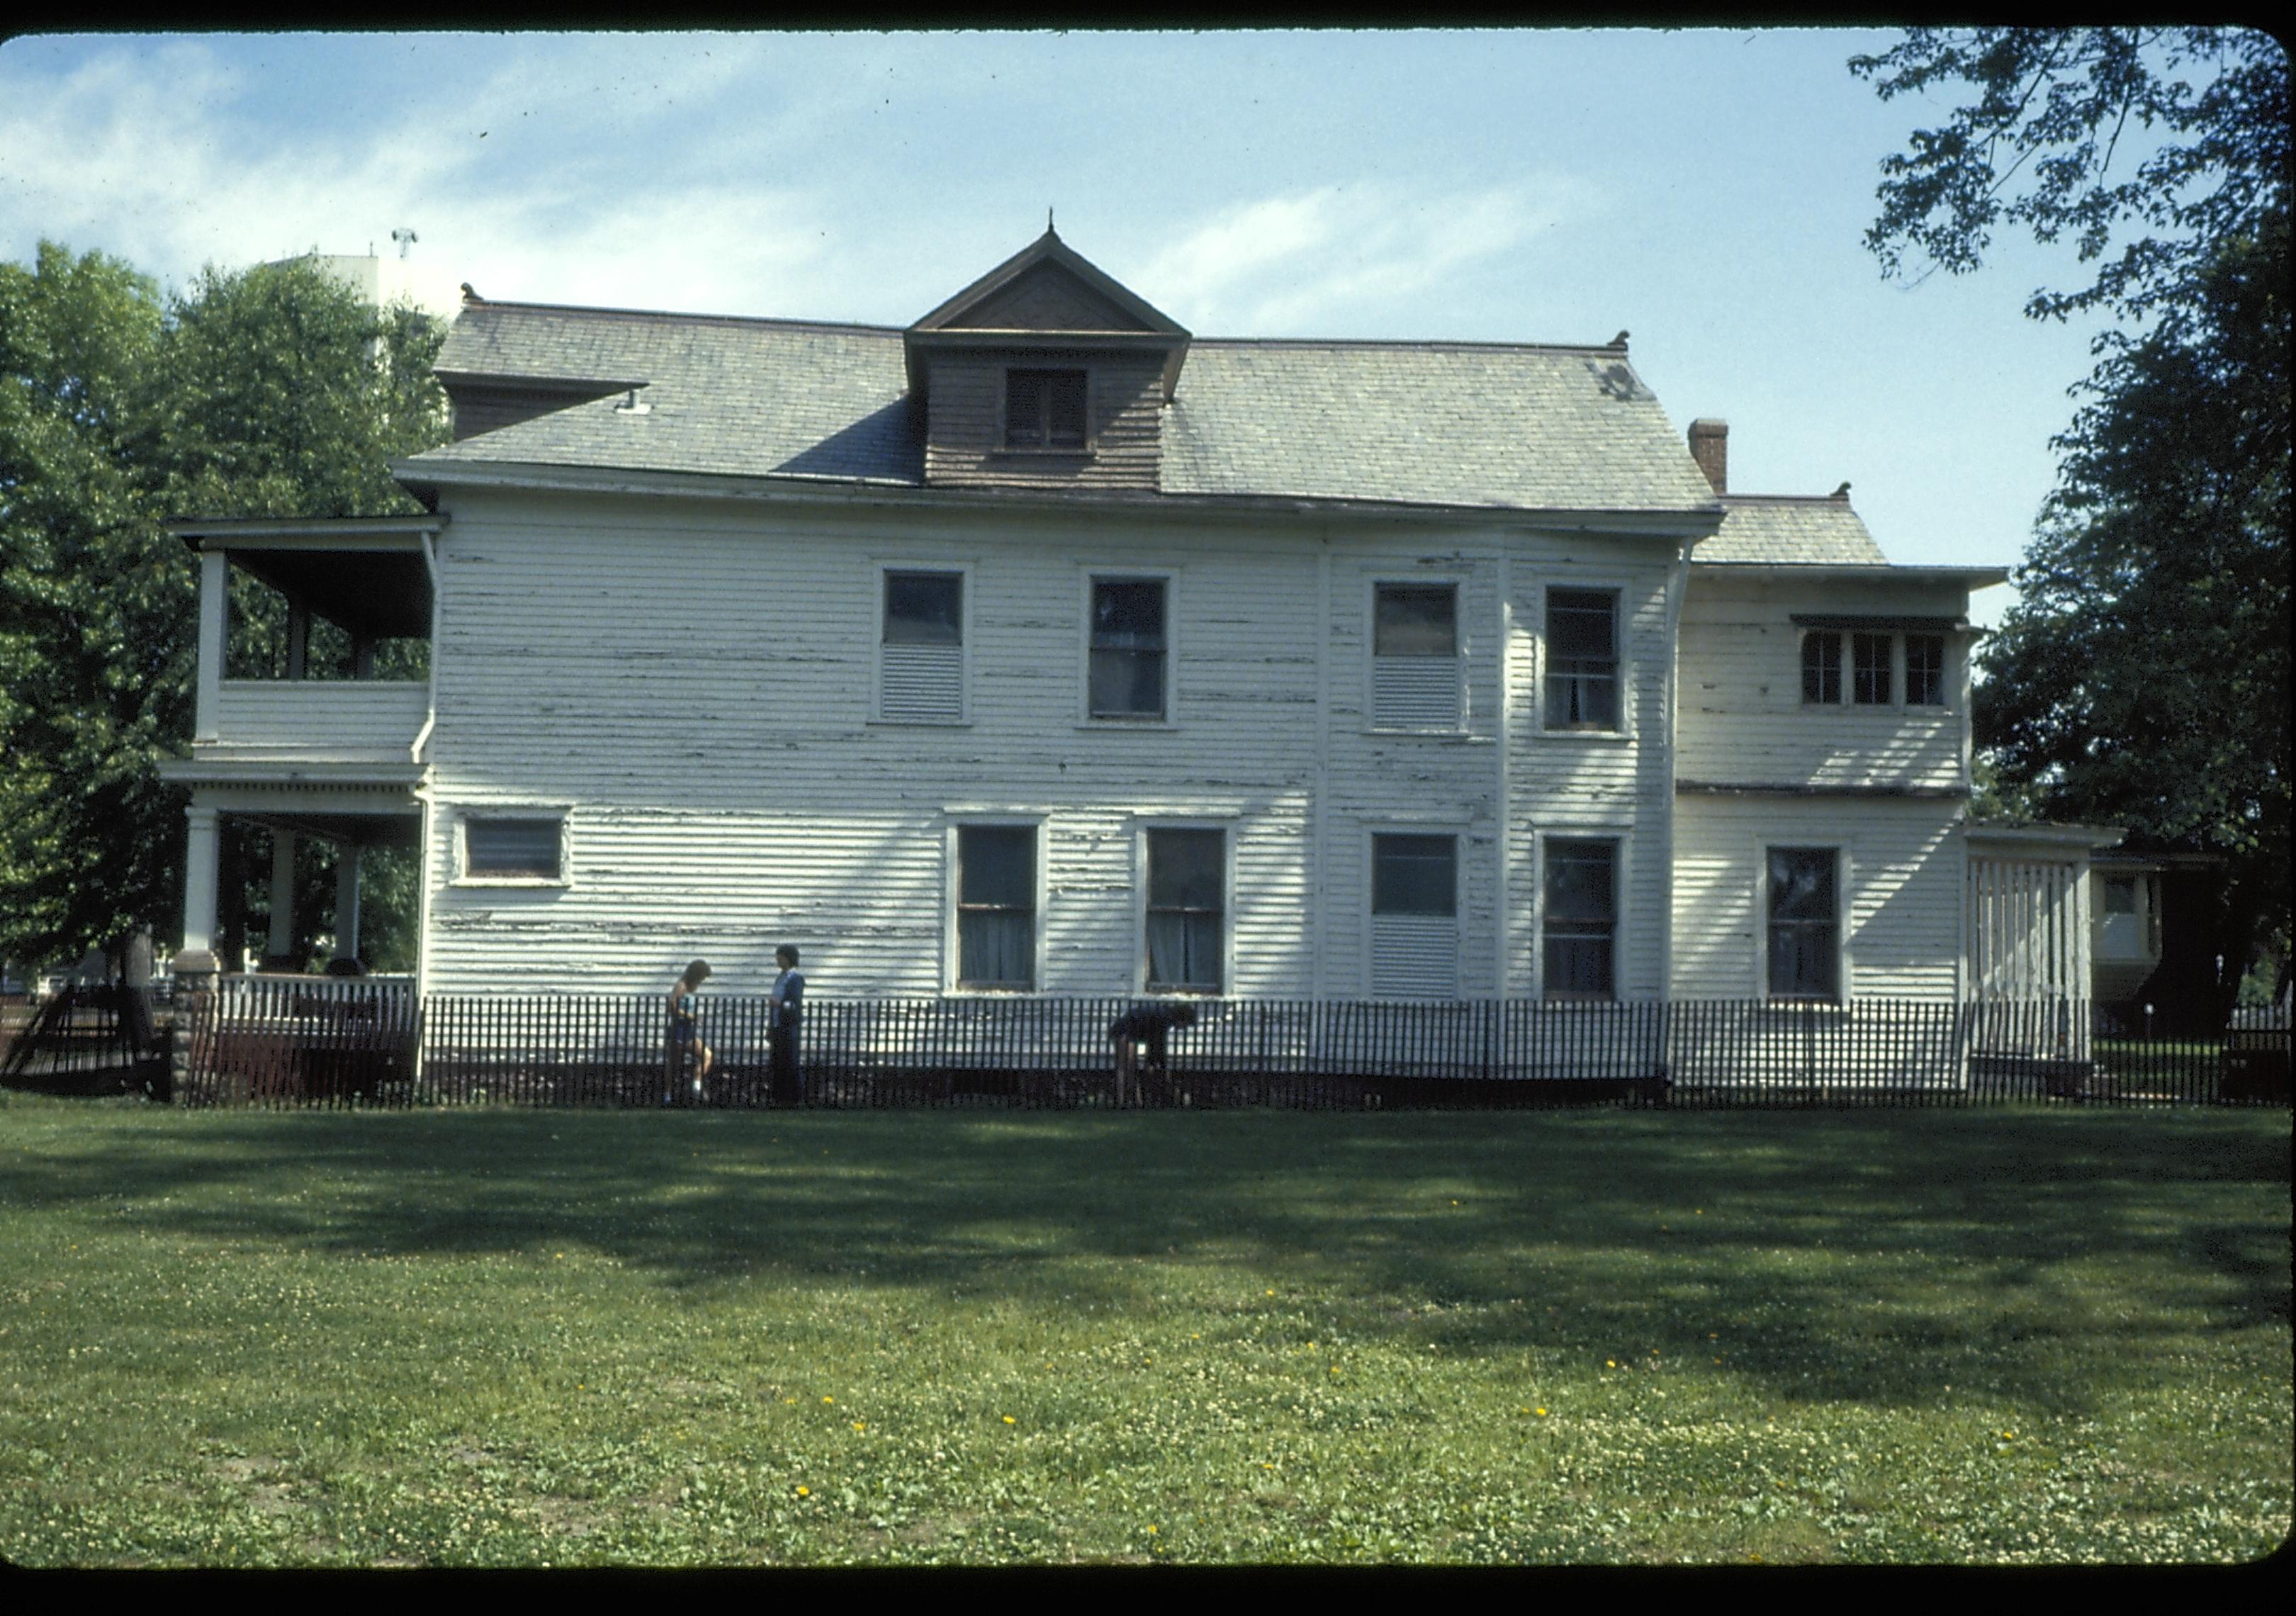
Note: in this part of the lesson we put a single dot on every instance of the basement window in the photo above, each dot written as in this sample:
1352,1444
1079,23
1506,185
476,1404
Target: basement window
1045,409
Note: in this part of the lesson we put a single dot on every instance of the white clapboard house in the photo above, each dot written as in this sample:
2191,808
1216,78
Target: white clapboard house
1041,647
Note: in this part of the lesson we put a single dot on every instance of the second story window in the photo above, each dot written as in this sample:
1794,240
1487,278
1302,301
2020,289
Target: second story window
1925,670
921,653
1582,659
1414,682
1869,669
1821,667
1126,676
1045,409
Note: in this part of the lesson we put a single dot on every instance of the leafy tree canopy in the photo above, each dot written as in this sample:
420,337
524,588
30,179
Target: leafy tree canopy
2143,676
2045,142
269,391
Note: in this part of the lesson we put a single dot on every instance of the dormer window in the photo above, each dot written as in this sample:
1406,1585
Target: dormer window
1045,409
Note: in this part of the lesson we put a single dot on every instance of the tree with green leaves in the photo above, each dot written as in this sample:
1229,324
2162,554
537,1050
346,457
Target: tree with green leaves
2142,679
272,392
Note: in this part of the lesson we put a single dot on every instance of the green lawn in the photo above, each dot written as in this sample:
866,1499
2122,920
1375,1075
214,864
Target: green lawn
583,1337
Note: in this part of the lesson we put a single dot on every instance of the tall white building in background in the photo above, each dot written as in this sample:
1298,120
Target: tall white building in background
1042,646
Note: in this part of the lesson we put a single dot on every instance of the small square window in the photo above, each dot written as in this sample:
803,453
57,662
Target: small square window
1045,409
1414,875
1127,676
507,849
1821,669
1925,670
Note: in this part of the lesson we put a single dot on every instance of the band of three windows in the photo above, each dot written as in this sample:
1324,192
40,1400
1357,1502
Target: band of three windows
1870,668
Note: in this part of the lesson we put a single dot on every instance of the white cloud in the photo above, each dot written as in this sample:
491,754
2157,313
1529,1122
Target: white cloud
1317,260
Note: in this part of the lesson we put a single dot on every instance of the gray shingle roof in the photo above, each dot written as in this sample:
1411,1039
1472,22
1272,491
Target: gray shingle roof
1443,423
1791,530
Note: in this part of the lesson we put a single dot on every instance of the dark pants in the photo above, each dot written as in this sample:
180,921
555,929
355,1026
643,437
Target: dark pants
789,1083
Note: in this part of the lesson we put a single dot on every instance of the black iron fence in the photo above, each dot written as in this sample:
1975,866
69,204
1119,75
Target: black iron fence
87,1038
304,1041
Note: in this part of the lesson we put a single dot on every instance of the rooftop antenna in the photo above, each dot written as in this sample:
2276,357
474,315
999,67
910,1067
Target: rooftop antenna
405,238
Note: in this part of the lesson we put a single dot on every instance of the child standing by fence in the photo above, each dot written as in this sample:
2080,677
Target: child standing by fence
685,1034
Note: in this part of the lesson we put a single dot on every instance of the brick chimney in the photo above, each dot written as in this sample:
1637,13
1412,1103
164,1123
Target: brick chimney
1710,447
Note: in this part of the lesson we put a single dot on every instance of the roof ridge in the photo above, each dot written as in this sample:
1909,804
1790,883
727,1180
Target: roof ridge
1438,344
673,314
1806,499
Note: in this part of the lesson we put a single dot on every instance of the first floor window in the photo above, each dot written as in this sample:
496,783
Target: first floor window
1821,667
1925,670
1805,926
514,848
1186,911
1415,907
1869,669
997,905
920,655
1126,676
1581,920
1582,659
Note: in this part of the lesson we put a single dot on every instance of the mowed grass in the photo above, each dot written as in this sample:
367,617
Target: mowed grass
579,1337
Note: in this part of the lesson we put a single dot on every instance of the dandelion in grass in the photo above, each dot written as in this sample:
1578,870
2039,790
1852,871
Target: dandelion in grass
1009,1420
805,1492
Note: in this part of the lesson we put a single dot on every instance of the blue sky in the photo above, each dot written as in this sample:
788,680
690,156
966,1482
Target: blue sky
1706,190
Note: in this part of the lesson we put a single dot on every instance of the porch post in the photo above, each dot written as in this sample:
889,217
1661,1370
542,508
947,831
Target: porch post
214,602
347,900
299,638
282,903
199,852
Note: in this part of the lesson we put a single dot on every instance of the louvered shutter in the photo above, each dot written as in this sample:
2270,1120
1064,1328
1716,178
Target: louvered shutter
921,683
1414,692
1414,956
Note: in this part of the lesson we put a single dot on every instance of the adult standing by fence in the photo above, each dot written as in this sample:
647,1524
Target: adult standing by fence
788,1009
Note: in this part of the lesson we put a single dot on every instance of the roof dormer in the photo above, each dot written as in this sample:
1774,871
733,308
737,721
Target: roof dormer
1045,371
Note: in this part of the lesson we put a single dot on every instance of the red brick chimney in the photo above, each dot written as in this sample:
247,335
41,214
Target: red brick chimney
1710,447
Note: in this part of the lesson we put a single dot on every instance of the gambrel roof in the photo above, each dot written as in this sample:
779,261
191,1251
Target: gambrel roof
1442,423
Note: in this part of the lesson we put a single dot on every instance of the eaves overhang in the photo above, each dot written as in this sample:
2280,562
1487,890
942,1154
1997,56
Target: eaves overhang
1973,577
1671,526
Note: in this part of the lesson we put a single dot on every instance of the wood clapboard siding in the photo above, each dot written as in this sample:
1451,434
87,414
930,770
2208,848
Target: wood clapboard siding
1606,785
695,687
1742,715
1901,891
694,683
964,431
320,717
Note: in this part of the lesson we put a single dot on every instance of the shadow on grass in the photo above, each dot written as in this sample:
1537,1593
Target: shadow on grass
1853,1255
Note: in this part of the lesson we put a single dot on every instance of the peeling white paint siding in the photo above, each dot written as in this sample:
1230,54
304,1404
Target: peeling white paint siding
1900,875
690,681
1742,715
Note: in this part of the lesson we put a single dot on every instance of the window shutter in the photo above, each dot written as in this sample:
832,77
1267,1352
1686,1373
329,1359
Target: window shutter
1414,956
1414,692
921,683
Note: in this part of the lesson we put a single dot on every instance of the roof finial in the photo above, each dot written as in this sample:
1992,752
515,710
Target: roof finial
1048,221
